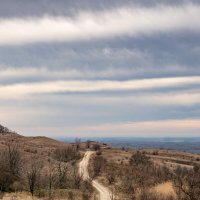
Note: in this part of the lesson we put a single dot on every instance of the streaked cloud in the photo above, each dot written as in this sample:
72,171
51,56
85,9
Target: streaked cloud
103,24
23,89
93,68
20,74
43,73
168,128
150,128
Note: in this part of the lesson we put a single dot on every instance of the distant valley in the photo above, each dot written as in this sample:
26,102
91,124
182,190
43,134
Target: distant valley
189,144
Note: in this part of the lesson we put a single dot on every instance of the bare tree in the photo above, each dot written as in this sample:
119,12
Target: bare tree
96,147
13,157
78,144
98,164
33,174
88,144
10,166
61,172
51,178
66,154
77,178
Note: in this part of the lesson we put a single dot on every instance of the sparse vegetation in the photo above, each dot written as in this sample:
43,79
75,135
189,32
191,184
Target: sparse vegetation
187,183
135,178
33,177
49,169
96,147
97,166
10,166
67,154
46,170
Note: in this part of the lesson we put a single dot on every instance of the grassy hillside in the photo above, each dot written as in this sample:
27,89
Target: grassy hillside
48,169
39,166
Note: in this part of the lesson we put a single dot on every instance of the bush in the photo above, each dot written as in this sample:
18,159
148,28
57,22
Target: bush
155,153
10,167
96,147
66,154
97,165
139,159
186,182
98,153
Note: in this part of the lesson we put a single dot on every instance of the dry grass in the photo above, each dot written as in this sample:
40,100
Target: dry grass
170,158
117,155
40,148
19,196
164,189
59,195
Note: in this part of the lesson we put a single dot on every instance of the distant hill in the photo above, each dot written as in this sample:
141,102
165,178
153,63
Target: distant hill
39,146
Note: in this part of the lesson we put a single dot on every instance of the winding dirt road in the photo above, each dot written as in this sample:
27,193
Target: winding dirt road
104,193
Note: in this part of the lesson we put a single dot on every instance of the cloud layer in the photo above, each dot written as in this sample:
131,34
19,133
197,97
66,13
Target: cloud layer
170,128
98,68
8,91
104,24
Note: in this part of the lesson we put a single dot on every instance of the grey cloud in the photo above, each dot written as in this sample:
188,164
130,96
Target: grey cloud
29,8
86,110
114,23
121,59
166,54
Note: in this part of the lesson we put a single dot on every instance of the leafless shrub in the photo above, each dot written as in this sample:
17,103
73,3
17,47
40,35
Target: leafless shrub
155,153
88,144
51,178
10,166
66,154
139,159
187,183
77,178
137,175
61,175
111,171
78,144
97,165
96,147
98,153
87,189
33,177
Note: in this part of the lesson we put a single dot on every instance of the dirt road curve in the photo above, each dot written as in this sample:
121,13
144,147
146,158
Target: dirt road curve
104,193
83,165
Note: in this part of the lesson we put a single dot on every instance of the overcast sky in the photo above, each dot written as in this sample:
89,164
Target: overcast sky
100,68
